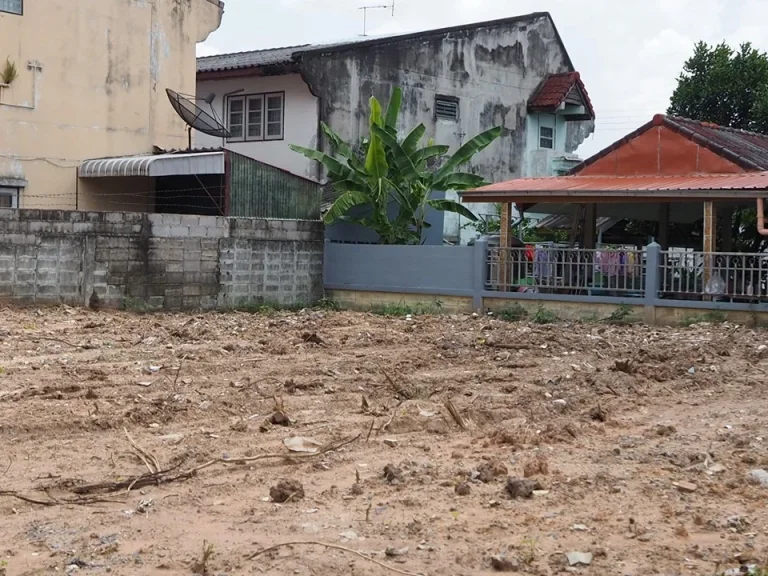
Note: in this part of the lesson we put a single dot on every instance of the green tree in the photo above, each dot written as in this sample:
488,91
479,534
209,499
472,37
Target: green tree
389,169
728,87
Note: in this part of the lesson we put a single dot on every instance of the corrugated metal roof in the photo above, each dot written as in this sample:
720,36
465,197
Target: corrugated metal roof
745,181
746,146
252,59
154,165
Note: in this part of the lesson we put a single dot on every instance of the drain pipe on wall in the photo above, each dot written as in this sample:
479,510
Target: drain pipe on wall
761,229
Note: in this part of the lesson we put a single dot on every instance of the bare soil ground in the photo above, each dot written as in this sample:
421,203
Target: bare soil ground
637,443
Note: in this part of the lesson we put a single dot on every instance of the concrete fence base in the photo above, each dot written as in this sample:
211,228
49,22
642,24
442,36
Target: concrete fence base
158,261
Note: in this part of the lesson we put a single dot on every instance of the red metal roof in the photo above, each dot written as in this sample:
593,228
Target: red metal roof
745,181
555,88
748,150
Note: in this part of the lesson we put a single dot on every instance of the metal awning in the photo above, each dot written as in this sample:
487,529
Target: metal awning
154,165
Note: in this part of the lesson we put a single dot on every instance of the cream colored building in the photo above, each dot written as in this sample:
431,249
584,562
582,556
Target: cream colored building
90,83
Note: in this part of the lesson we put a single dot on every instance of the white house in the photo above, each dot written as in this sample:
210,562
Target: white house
457,81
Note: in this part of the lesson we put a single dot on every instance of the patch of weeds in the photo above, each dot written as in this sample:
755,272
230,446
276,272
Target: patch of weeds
133,305
327,304
2,370
514,313
201,566
268,308
528,553
622,316
402,309
713,317
544,316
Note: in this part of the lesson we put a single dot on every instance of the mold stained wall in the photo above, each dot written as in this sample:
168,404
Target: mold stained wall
491,70
300,125
99,89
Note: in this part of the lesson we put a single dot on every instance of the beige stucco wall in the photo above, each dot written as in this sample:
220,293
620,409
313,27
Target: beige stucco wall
301,120
100,86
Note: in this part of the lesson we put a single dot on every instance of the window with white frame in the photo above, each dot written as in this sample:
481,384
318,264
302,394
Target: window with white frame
9,197
12,6
547,137
255,117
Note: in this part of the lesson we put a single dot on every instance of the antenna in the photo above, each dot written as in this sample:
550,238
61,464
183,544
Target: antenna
195,117
375,7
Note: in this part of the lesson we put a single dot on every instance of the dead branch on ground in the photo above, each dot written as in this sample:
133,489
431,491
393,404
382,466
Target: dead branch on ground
333,547
170,475
56,501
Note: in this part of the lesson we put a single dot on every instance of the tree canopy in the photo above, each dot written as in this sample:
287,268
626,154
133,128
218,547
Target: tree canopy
730,88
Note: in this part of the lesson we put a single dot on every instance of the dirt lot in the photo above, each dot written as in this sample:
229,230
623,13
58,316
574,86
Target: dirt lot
635,444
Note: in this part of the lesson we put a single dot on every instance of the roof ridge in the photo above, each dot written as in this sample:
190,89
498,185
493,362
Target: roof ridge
715,126
274,49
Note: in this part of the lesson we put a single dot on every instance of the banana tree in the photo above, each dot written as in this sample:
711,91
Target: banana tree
395,170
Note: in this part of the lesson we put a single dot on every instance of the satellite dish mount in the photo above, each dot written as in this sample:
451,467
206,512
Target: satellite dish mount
195,117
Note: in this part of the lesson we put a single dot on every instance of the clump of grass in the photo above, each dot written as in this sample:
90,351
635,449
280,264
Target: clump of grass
714,317
622,316
528,554
134,305
201,566
402,309
9,73
327,304
544,316
514,313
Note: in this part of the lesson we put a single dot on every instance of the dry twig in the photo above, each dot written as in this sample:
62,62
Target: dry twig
168,476
333,547
455,414
55,501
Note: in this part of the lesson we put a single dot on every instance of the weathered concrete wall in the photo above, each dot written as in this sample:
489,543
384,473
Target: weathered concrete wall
166,261
92,80
491,70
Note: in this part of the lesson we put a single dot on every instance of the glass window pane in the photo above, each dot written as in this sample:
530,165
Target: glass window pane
274,129
274,116
236,105
236,130
275,103
12,6
6,201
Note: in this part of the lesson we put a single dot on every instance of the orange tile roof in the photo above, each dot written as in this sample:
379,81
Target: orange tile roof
555,88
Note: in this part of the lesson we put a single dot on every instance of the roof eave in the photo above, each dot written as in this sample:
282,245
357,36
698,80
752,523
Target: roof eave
250,71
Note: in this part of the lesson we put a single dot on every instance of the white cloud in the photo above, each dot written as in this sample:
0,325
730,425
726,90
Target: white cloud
629,52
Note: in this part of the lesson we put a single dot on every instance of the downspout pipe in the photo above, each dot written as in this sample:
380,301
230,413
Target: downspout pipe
761,229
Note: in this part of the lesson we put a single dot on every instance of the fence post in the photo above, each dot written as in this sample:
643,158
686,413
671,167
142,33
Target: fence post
479,272
652,281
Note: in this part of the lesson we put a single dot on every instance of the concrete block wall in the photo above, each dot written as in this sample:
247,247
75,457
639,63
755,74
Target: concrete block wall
159,261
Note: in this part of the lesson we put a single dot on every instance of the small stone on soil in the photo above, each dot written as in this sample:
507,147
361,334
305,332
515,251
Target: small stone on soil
286,490
393,475
521,488
759,476
391,442
280,419
395,552
357,489
463,489
687,487
502,563
489,471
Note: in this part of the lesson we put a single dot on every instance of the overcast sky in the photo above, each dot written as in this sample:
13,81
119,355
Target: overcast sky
629,52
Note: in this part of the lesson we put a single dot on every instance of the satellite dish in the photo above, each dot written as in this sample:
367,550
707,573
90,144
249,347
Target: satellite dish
195,117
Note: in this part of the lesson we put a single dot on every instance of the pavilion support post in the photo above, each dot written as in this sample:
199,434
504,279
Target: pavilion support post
590,227
726,217
663,236
709,237
504,244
